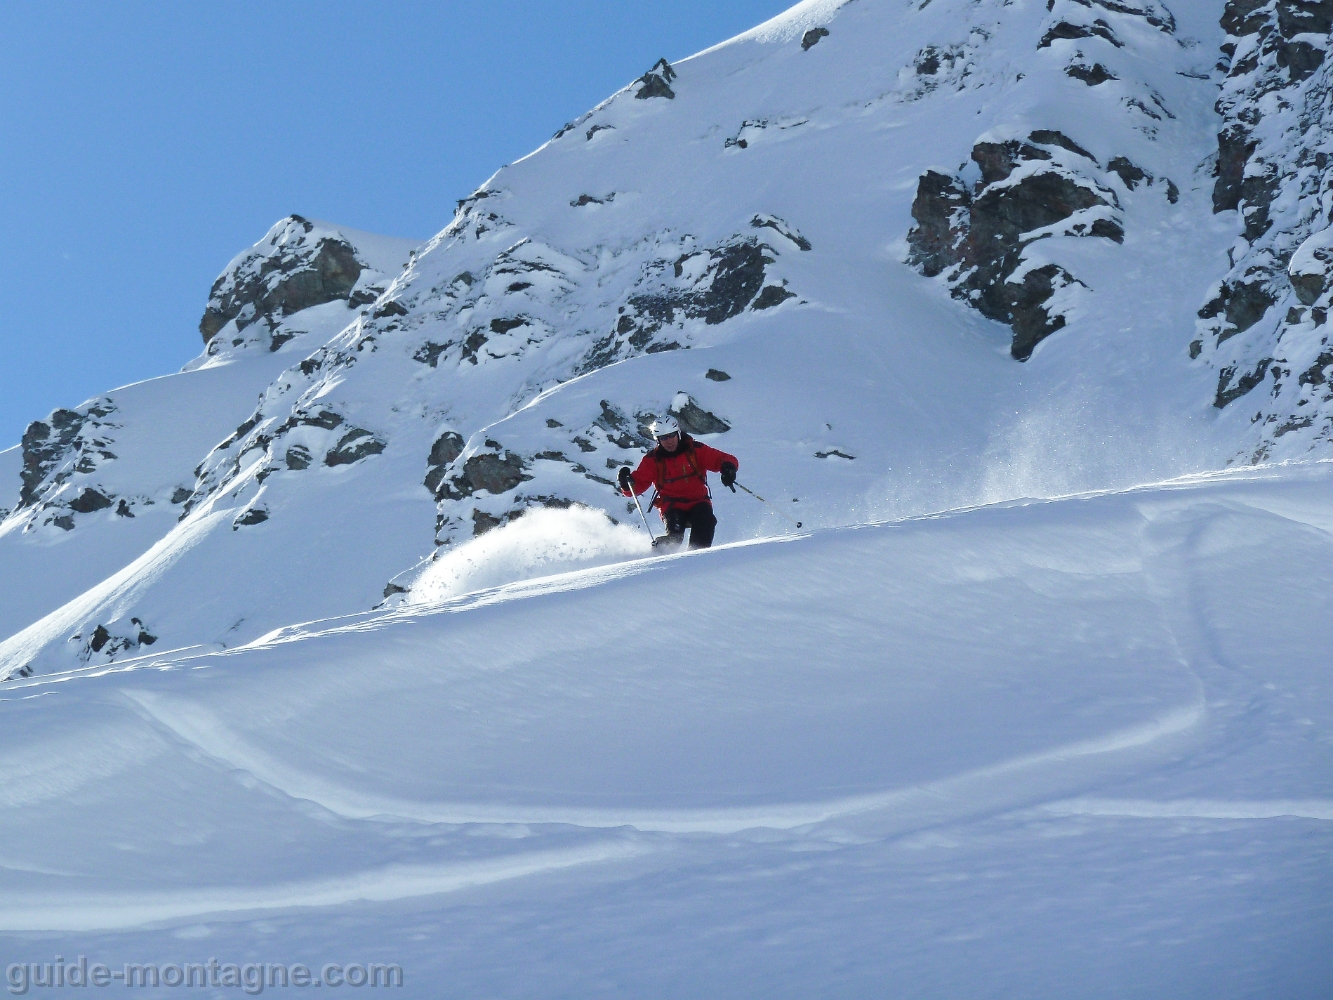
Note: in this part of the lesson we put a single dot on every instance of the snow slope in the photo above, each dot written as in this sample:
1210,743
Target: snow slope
151,428
1073,747
135,451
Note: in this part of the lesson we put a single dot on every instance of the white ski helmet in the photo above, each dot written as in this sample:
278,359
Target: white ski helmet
665,427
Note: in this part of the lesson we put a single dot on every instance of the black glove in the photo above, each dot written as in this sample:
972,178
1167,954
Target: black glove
625,483
729,476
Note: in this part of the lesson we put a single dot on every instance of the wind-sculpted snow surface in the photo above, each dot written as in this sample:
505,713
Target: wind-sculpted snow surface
1072,747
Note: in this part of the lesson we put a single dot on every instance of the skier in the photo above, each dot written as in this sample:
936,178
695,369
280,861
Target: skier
679,468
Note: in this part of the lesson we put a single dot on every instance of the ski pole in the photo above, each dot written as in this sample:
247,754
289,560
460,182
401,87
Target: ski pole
642,517
767,504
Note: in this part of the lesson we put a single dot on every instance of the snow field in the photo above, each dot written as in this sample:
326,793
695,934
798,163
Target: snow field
851,708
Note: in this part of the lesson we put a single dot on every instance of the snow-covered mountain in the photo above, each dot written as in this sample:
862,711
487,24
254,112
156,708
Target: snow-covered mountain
102,484
744,238
913,262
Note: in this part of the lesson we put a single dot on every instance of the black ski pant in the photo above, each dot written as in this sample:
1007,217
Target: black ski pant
699,519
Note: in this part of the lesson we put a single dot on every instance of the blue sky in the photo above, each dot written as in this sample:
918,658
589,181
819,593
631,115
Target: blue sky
145,144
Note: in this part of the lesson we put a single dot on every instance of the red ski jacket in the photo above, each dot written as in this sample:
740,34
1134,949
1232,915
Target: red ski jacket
681,475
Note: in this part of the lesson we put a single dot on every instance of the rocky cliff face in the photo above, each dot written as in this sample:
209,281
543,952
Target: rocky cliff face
1029,189
1264,324
982,226
56,449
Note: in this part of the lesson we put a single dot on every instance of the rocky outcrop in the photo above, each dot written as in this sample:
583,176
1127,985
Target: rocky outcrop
1311,267
1264,322
45,443
1094,75
977,235
106,642
307,436
1064,29
754,129
65,443
714,284
497,302
663,285
656,82
1030,316
770,296
253,515
620,430
782,228
90,500
297,457
356,444
292,268
812,37
493,470
694,419
980,228
447,447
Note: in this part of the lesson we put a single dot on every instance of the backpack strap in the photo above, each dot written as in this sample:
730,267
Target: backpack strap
694,462
695,470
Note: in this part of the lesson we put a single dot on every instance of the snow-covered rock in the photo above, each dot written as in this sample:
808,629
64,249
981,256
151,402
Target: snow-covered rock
299,264
1311,267
1273,169
1027,192
1027,181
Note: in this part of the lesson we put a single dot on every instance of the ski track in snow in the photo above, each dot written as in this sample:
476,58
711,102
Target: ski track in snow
200,730
1194,808
47,912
